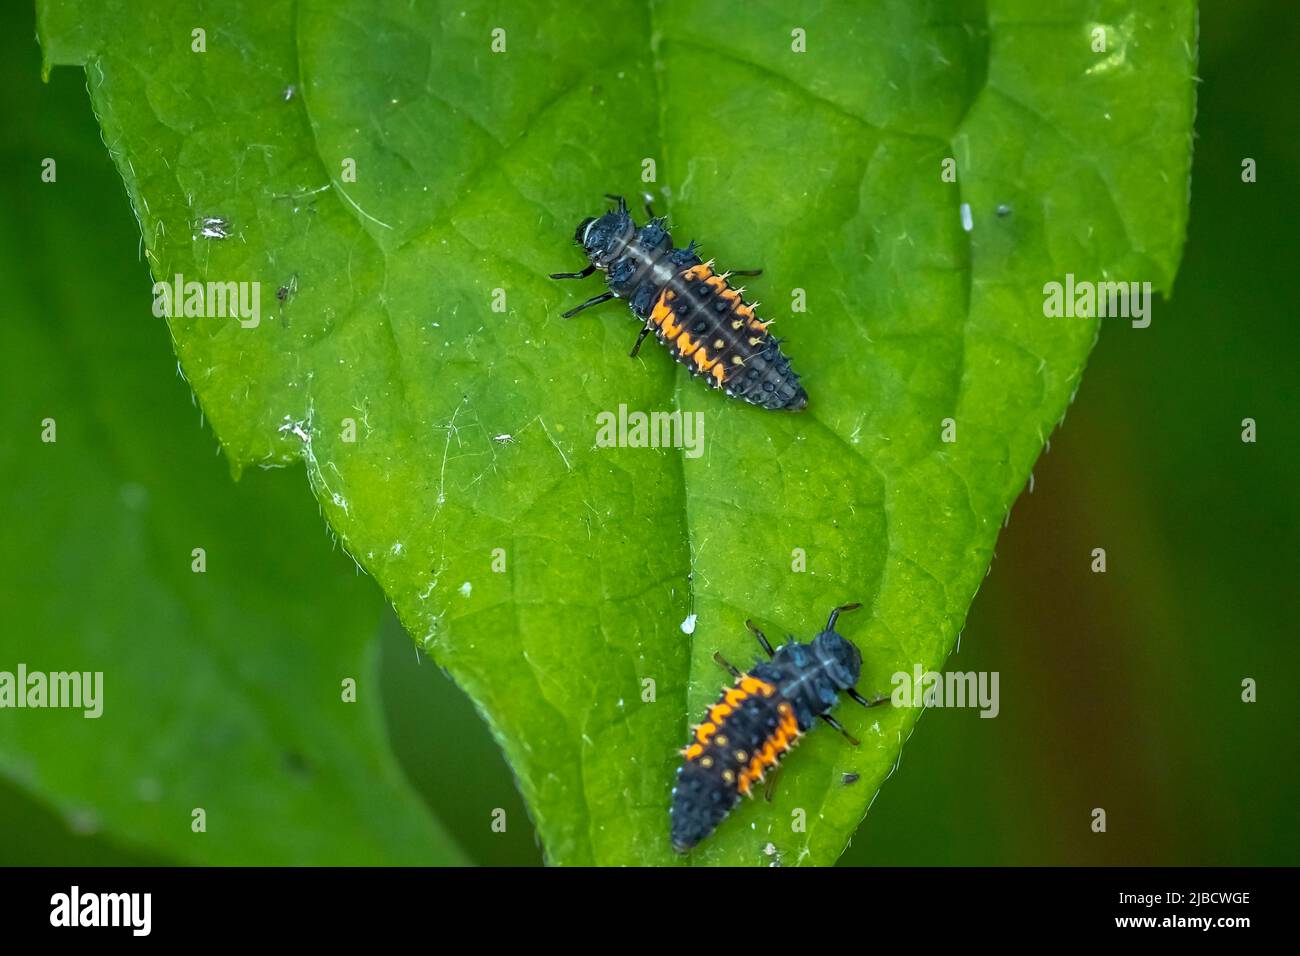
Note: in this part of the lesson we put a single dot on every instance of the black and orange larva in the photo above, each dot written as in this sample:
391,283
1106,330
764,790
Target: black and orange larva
706,324
756,723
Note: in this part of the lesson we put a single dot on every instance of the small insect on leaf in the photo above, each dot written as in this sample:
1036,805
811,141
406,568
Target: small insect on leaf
694,312
757,721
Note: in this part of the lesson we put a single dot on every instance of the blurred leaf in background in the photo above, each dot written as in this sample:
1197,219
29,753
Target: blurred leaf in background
470,170
222,689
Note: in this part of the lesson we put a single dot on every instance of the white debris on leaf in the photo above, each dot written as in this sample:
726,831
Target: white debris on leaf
967,220
214,227
466,589
296,429
688,625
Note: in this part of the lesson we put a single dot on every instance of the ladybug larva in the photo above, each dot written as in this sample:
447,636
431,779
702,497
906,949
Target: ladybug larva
705,323
757,721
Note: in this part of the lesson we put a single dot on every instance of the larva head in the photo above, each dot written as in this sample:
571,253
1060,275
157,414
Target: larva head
840,657
603,239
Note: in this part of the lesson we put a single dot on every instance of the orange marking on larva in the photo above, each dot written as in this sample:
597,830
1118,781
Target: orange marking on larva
719,372
717,282
701,271
704,732
783,738
702,359
662,312
746,778
745,311
685,344
734,696
752,685
718,712
693,751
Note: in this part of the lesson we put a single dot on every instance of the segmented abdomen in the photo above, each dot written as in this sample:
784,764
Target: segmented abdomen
745,734
709,328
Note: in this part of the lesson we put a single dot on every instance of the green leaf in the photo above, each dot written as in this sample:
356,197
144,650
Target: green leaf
822,167
221,690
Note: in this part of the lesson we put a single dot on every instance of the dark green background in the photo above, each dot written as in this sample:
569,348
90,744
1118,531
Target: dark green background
1119,691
